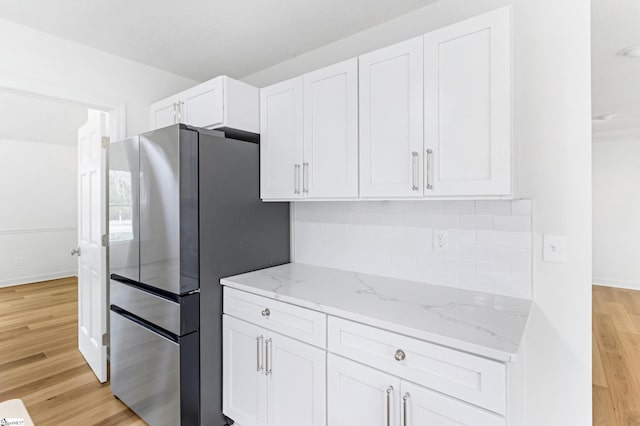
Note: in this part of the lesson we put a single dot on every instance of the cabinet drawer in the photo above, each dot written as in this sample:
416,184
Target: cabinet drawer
473,379
293,321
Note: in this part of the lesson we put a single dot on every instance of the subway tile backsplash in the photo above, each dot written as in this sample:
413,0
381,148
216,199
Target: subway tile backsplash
489,242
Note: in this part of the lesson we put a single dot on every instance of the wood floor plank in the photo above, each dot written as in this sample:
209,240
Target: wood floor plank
598,375
616,357
603,413
40,362
606,333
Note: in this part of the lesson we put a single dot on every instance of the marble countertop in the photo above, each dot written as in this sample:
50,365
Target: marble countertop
483,324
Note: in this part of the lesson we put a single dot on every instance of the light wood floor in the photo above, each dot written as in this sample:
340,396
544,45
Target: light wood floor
40,362
616,357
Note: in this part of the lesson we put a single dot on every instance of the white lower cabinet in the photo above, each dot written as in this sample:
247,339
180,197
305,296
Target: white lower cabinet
270,379
360,395
244,386
287,365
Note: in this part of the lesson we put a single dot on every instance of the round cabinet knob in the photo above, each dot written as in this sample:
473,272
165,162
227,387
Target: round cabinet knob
400,355
266,312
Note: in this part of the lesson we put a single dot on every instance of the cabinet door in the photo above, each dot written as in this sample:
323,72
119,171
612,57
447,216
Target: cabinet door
296,376
164,113
391,121
203,105
244,388
330,167
423,407
359,395
281,137
468,107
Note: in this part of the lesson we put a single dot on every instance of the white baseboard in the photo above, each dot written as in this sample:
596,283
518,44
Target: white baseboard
616,283
37,278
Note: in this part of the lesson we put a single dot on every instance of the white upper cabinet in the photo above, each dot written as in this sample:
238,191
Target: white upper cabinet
220,102
330,166
391,118
165,112
281,136
467,72
428,117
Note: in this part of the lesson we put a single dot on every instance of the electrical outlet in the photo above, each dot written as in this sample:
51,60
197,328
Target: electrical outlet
554,248
19,261
440,241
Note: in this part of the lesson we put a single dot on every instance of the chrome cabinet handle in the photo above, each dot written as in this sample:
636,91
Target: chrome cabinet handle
259,354
414,171
296,178
75,251
429,169
389,390
305,178
405,399
268,357
266,312
400,355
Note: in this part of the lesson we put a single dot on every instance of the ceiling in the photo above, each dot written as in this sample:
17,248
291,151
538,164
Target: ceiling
201,39
47,121
616,79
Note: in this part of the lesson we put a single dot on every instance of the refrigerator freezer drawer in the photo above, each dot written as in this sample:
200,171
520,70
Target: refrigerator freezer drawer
179,316
154,375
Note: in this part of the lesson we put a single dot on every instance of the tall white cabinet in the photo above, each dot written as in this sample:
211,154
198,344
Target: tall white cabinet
467,75
309,135
391,127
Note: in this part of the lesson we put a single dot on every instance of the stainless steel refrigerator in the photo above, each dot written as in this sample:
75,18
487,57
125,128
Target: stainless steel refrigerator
184,211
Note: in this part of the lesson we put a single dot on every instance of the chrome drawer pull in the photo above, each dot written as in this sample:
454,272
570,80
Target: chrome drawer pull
268,363
414,171
259,354
405,398
389,390
400,355
266,312
429,169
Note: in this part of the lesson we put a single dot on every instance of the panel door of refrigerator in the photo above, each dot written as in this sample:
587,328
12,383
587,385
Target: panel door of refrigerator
153,375
124,208
169,209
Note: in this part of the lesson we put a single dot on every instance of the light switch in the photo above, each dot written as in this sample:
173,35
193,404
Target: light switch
554,248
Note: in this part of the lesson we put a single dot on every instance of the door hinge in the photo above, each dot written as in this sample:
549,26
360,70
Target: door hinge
105,240
105,339
105,142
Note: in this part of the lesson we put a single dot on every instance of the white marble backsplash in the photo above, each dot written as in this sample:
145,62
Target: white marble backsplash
489,241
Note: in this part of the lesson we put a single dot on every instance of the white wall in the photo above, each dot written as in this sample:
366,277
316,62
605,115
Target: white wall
38,213
33,59
489,242
616,213
552,129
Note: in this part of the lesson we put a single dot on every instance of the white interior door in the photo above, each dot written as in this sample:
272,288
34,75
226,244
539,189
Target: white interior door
92,254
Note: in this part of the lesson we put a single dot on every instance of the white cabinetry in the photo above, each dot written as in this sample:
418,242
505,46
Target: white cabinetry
467,118
330,165
271,379
309,135
433,115
281,136
244,383
391,121
360,395
218,103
